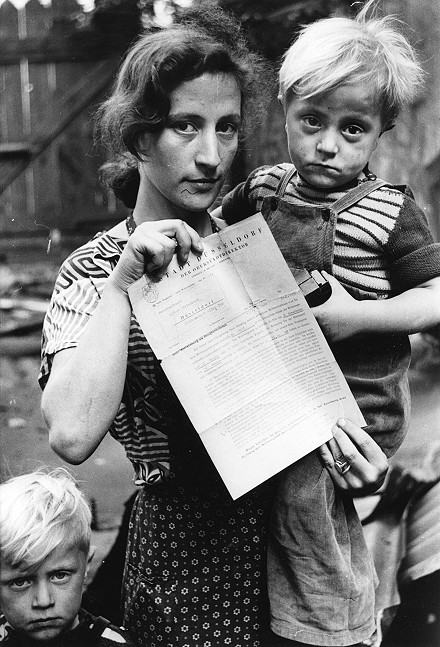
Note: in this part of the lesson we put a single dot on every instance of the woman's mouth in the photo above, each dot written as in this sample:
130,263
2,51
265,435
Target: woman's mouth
202,184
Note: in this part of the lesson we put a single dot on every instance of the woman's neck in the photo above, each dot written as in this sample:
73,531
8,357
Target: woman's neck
152,206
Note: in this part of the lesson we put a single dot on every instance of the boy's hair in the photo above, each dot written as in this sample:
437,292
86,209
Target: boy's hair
38,512
367,50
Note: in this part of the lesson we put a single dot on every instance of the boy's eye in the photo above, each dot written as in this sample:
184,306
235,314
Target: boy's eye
312,122
60,576
353,130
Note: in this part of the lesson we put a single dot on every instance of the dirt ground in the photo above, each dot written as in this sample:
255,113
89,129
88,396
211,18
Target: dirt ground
106,477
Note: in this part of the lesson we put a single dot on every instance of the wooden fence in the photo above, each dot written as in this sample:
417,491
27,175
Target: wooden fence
54,70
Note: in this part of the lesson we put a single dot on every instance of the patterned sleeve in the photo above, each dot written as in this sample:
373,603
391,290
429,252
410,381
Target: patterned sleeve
5,628
74,299
414,255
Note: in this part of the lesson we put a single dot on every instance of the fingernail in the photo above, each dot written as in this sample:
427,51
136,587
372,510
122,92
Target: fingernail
342,422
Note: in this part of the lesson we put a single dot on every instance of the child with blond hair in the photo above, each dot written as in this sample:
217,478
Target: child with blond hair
342,84
44,557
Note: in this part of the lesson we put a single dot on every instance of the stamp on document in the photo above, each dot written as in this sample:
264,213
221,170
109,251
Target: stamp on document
150,292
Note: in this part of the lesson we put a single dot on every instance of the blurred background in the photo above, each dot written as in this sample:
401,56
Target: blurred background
58,59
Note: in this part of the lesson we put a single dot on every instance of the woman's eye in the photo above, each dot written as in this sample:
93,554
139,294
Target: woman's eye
184,127
20,583
227,129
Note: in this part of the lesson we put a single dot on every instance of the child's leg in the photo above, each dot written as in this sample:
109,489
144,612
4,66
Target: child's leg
321,577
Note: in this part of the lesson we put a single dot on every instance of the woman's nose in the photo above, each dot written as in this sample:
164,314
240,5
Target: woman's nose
43,597
327,144
208,153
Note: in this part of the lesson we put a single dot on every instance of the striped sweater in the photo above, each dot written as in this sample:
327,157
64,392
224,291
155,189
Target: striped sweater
382,243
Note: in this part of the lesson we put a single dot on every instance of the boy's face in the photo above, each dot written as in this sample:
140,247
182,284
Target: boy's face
331,136
43,604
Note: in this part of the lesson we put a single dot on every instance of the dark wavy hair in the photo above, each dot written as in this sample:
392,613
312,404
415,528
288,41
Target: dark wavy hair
205,39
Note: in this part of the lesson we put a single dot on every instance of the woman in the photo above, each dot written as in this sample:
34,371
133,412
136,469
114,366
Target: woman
195,564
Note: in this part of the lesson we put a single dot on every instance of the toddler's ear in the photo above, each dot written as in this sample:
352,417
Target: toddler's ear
389,126
90,556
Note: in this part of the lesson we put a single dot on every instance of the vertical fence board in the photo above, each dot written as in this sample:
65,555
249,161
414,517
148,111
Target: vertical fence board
38,18
10,85
45,167
8,20
16,198
61,187
79,159
44,170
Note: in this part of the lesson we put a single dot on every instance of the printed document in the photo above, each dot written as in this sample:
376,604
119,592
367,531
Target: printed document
244,354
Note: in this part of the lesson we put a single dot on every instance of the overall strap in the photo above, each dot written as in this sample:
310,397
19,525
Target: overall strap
356,194
284,181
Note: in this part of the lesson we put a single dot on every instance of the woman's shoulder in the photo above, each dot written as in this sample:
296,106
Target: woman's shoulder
97,254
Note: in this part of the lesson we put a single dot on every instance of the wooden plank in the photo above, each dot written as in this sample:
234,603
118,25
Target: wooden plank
13,202
38,18
8,22
42,98
92,83
79,159
67,109
84,45
44,166
13,131
65,10
14,149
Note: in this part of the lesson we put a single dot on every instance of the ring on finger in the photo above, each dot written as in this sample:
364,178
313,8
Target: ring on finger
342,466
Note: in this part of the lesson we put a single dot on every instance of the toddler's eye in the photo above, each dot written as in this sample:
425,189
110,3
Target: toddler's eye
353,130
60,576
312,122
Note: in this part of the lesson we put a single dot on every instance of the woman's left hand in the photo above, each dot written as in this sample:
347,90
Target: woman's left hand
355,461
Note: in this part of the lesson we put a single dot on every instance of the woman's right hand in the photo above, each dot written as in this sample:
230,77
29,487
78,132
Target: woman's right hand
150,249
364,464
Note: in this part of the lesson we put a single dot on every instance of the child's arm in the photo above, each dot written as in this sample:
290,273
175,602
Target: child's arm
412,311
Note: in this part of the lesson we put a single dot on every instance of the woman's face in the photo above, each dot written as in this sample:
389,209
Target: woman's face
187,161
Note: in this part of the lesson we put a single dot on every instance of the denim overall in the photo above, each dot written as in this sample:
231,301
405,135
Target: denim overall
375,365
321,577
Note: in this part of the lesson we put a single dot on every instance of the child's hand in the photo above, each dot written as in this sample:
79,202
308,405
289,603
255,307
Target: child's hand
340,316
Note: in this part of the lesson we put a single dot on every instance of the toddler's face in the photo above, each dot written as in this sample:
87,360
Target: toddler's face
331,136
43,603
